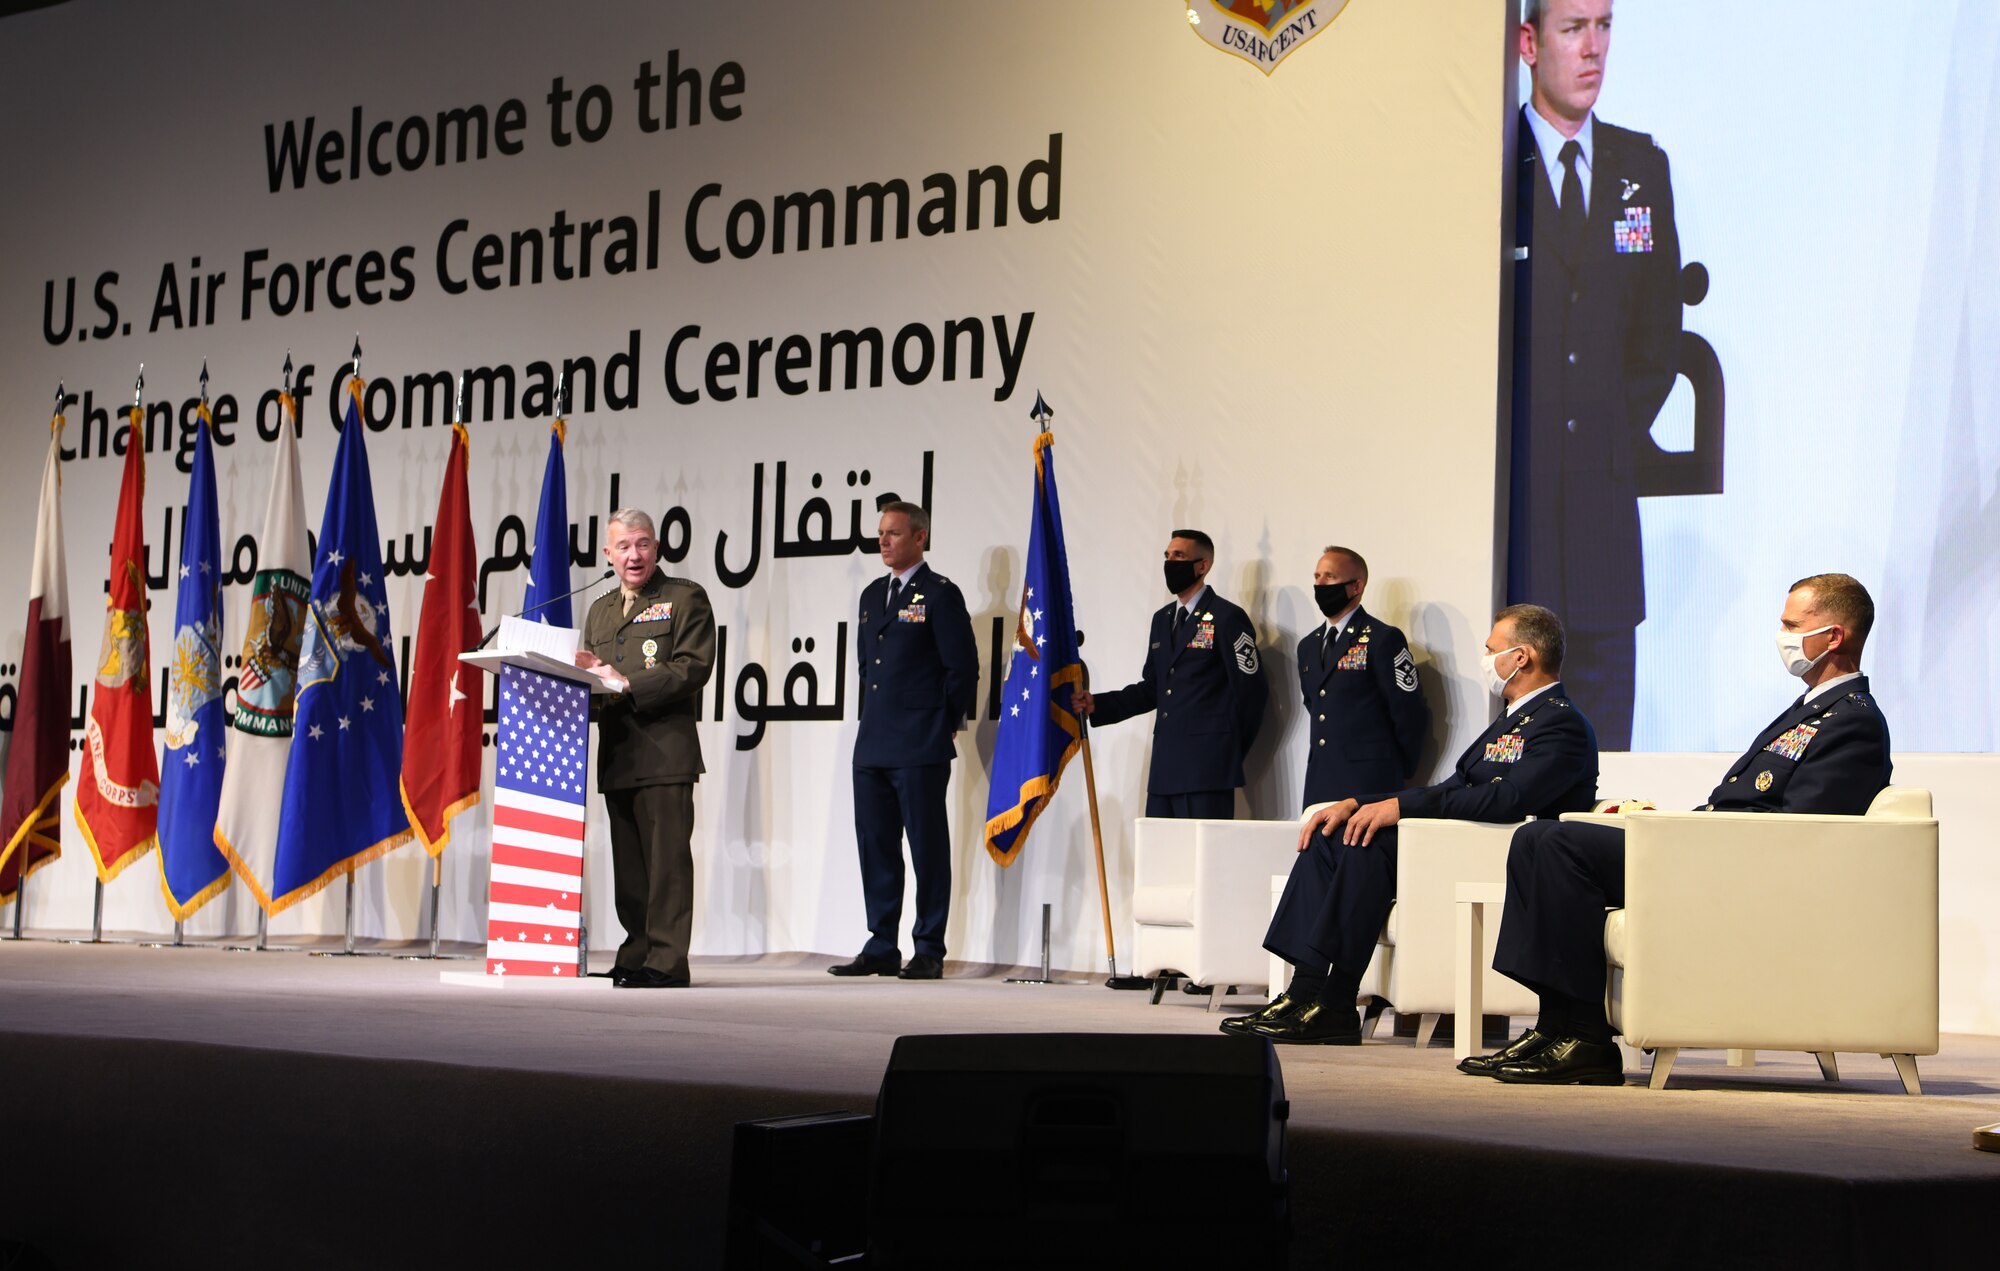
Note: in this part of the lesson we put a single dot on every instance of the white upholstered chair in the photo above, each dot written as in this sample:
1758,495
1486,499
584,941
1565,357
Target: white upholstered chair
1761,931
1415,955
1201,898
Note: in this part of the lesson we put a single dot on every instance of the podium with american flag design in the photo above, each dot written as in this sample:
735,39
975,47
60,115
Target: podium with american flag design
535,932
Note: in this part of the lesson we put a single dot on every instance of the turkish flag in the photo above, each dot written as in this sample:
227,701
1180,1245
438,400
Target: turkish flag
441,727
118,786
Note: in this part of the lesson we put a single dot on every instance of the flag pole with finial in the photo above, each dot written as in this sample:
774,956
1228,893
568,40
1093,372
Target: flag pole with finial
21,885
132,438
437,862
361,417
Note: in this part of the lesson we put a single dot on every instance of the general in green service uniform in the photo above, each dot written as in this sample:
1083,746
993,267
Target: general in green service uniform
653,640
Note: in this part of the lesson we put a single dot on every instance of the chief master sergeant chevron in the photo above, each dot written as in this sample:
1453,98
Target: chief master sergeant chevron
919,684
1202,676
654,640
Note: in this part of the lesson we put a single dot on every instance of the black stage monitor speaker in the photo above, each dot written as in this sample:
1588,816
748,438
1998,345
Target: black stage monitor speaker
1046,1149
798,1192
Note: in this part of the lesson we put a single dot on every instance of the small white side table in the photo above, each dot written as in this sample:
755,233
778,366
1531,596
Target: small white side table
1469,976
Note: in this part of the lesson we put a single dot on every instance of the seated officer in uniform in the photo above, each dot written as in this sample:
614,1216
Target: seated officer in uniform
1827,753
1539,758
1367,721
1201,675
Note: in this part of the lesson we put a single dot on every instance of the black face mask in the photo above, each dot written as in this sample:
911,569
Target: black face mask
1331,597
1180,575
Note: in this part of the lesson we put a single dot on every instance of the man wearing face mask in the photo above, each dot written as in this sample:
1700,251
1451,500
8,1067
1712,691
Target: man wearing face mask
1826,753
1366,719
1539,758
1202,677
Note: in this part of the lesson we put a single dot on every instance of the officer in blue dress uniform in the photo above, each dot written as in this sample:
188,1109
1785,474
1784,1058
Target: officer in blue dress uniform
1366,720
1539,758
1597,339
1827,753
919,684
1202,678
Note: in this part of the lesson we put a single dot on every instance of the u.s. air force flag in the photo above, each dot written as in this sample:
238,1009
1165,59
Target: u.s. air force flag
191,869
343,805
1038,727
547,598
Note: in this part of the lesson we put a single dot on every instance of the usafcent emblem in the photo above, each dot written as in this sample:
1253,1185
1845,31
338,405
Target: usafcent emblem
1261,32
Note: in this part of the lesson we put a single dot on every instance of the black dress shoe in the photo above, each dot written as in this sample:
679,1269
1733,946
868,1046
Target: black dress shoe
1567,1061
1280,1007
1527,1044
648,978
616,974
869,964
1317,1025
922,967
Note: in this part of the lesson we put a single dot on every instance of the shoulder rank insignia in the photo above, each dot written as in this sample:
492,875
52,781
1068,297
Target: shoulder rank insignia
660,612
1406,671
1245,649
1792,745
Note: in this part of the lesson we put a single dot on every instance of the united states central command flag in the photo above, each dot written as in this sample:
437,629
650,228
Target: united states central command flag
342,804
38,759
535,897
260,732
118,783
441,759
1038,727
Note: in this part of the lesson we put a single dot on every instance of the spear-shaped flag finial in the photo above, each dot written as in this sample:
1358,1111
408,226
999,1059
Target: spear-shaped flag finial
458,401
62,397
562,394
204,381
357,355
139,389
1041,414
288,372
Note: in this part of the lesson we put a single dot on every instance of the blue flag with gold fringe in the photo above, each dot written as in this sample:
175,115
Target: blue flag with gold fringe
343,805
547,599
1039,731
192,871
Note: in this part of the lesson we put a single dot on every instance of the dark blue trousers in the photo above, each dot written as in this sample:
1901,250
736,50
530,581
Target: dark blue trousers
1335,903
888,804
1561,877
1197,805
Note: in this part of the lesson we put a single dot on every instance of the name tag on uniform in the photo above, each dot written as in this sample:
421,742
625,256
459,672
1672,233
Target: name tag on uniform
1355,659
661,612
1204,636
1633,232
1792,744
910,613
1505,749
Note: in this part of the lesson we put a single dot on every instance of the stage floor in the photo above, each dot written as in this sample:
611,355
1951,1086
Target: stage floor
776,1035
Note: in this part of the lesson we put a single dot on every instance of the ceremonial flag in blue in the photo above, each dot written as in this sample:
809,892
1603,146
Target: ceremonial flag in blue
191,869
548,571
1039,731
342,805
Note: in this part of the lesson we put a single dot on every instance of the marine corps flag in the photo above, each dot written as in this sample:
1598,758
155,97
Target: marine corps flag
342,808
118,784
547,599
1038,728
441,757
38,759
191,869
260,731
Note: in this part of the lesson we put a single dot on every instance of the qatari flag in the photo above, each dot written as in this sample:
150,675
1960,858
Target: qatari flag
535,905
38,760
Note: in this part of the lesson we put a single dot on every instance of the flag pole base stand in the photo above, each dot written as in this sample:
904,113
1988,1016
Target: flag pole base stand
537,983
1128,982
1045,977
1987,1137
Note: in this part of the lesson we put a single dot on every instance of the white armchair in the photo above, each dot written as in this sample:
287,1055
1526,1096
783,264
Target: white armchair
1417,946
1761,931
1201,898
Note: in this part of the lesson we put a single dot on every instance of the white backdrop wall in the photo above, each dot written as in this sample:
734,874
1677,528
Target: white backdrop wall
1265,307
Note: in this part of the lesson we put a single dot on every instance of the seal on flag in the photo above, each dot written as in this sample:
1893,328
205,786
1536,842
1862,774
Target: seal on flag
1261,32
